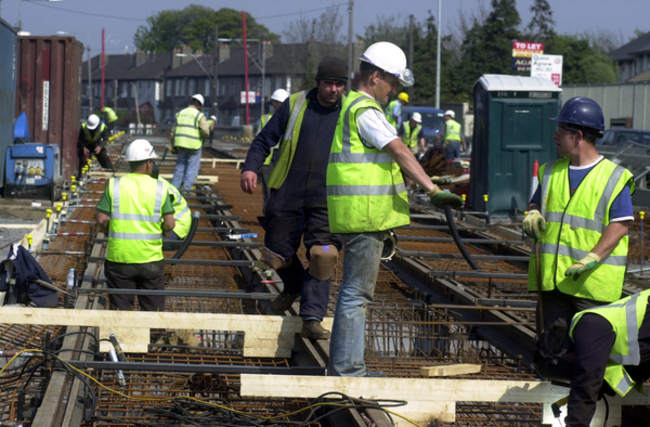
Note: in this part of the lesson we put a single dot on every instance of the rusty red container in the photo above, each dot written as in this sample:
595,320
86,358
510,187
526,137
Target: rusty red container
49,91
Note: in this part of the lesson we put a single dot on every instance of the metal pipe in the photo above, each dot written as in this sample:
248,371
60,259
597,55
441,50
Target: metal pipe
211,206
478,274
417,254
226,263
205,243
439,227
191,293
451,240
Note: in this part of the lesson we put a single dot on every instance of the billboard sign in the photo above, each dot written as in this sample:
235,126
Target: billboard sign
548,67
526,49
251,97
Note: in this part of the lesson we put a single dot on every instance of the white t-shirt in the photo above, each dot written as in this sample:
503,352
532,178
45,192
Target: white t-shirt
373,127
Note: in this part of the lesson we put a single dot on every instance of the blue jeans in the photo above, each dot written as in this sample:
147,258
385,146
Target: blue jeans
361,259
187,168
452,150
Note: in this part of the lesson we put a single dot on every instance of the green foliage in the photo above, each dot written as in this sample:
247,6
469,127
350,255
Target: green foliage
541,26
194,27
582,63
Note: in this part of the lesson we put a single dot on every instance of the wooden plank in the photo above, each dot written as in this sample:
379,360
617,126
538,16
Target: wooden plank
449,370
211,179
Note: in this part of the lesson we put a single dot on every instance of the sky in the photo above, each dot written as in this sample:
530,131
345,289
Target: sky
85,19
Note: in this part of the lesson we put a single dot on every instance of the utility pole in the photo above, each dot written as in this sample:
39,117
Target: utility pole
438,55
411,27
215,64
350,43
90,82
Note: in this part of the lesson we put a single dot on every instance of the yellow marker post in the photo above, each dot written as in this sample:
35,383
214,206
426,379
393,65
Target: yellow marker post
58,207
30,240
48,215
64,196
73,179
73,188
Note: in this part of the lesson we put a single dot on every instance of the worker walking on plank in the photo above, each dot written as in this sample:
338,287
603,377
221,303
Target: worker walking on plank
134,211
579,216
187,135
297,206
366,196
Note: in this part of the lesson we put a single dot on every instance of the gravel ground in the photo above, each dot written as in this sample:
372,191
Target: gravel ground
12,235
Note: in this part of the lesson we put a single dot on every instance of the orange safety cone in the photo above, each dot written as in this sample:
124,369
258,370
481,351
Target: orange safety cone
535,182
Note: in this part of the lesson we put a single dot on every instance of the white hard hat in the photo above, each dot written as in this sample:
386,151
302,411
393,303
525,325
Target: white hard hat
213,118
279,95
417,117
450,113
139,150
391,59
198,97
92,122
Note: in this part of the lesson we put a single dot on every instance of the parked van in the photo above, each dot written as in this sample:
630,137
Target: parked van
432,121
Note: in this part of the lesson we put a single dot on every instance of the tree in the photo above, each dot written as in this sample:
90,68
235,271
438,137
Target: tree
582,63
194,27
541,26
326,28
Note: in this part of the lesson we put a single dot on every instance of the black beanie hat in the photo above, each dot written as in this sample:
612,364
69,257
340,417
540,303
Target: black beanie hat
332,68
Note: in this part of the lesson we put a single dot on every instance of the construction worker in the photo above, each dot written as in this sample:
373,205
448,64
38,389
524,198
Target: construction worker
110,117
278,97
453,141
182,215
579,218
297,206
133,213
411,134
394,110
187,135
211,122
366,196
93,135
611,350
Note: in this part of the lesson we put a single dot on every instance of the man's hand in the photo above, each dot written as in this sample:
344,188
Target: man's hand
86,152
533,224
440,199
97,150
248,181
585,264
440,181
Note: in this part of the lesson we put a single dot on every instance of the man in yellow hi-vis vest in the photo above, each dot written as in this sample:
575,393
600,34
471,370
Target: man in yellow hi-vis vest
297,207
134,212
579,218
188,134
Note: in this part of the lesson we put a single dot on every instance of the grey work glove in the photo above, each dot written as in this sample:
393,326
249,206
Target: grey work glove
440,180
533,224
440,198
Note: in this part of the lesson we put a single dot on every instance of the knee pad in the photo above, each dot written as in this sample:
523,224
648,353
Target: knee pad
273,260
322,260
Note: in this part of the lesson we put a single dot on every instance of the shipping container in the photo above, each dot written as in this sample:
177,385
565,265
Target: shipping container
49,91
511,130
8,40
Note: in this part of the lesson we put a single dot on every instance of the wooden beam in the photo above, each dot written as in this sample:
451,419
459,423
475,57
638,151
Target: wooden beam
264,336
449,370
211,179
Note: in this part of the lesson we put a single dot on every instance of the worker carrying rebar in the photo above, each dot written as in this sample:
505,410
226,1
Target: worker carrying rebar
134,212
579,218
611,354
366,196
277,98
187,137
93,136
453,141
297,206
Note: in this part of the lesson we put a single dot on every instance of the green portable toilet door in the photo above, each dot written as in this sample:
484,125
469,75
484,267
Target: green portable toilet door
520,133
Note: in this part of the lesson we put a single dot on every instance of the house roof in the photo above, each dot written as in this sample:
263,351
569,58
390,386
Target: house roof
641,77
286,59
122,67
628,51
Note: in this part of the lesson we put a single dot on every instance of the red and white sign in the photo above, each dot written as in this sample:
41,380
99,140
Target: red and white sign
526,49
251,97
548,67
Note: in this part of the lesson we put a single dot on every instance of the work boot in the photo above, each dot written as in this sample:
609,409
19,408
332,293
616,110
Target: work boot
314,330
282,302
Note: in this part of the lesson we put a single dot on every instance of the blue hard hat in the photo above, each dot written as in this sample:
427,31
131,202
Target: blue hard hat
582,111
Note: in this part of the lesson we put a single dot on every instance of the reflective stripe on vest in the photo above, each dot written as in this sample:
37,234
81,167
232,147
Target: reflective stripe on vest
298,104
574,227
182,212
187,133
411,138
365,188
263,121
452,130
95,136
135,230
626,317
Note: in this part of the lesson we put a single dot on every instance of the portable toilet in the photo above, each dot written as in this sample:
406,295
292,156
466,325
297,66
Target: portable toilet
511,130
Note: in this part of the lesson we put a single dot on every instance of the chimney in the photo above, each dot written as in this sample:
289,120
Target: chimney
176,60
140,58
267,47
224,52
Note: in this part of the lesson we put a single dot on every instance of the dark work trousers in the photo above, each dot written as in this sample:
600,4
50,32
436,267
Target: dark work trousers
168,237
102,158
556,304
263,178
285,224
593,340
136,276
